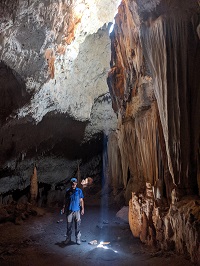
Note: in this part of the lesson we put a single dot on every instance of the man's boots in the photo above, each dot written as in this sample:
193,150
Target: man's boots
69,232
78,238
68,240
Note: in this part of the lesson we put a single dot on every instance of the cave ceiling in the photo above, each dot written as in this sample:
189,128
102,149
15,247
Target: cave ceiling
55,102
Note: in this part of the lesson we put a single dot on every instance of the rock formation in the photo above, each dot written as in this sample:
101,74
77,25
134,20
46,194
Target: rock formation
55,105
139,132
34,187
154,83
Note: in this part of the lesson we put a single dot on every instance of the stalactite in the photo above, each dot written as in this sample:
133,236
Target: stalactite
166,45
159,125
141,152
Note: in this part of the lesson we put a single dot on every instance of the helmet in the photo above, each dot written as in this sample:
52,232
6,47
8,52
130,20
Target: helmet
73,180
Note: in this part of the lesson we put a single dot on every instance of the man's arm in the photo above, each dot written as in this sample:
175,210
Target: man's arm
82,205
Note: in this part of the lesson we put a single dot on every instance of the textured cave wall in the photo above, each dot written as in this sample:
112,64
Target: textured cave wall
55,106
79,68
176,84
154,83
115,168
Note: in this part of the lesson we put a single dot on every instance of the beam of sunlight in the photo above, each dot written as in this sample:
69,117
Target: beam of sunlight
104,196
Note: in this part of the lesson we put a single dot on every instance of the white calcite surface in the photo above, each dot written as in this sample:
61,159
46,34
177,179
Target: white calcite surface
74,89
34,28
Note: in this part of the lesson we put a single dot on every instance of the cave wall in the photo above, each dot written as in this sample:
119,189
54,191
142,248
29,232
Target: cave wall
154,85
54,59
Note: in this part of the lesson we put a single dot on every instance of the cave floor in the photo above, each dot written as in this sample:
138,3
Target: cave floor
40,241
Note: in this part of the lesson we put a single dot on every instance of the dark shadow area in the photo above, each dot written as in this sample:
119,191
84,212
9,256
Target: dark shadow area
6,172
13,94
56,134
63,245
17,194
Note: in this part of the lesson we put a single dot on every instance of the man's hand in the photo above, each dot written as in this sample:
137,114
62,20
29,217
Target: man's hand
82,206
63,210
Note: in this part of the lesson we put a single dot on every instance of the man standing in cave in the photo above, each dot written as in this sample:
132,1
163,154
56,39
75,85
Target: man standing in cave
74,208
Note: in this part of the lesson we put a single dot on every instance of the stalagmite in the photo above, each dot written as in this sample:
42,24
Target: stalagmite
34,186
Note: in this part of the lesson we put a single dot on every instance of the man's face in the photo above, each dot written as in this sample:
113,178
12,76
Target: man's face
73,185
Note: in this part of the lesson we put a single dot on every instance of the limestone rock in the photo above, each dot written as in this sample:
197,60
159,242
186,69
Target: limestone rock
54,59
154,85
34,186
